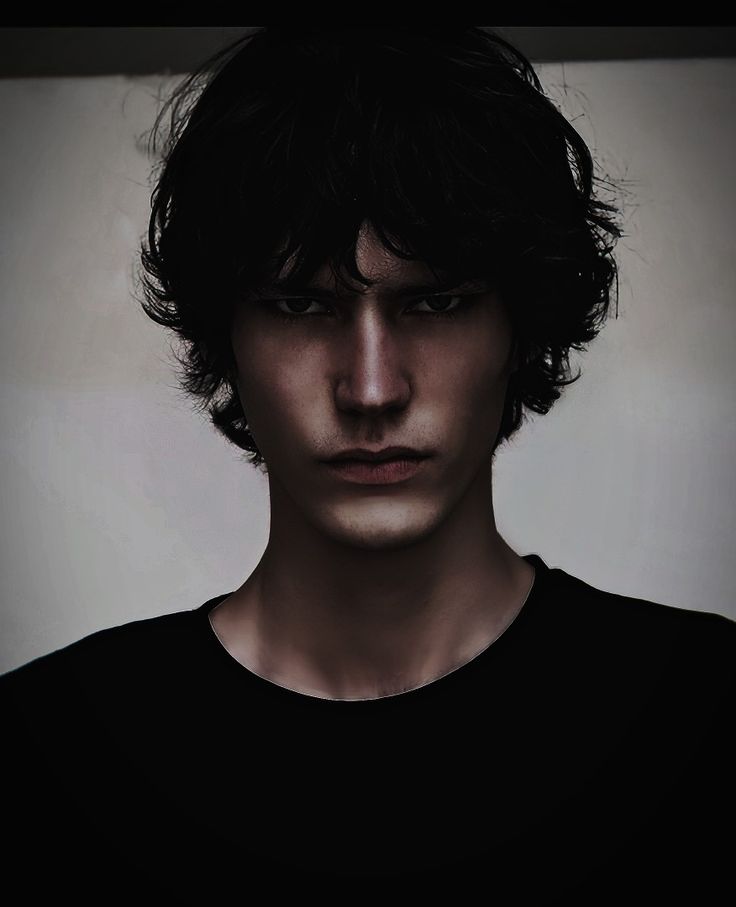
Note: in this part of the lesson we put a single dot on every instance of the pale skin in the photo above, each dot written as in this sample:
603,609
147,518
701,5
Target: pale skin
368,591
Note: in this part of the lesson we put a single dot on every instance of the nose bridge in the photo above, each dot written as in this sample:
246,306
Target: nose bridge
374,374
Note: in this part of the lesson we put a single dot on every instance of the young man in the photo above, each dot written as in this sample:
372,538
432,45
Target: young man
380,243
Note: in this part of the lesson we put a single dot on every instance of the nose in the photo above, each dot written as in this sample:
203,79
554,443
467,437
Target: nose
374,372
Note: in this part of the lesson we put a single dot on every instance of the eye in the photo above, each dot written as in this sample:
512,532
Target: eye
461,301
301,303
277,307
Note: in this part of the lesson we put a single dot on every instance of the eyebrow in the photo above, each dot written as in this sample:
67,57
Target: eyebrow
396,291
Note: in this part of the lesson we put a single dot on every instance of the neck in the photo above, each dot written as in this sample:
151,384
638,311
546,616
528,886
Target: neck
341,621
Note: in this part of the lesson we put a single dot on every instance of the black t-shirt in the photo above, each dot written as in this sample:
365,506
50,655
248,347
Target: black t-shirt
588,753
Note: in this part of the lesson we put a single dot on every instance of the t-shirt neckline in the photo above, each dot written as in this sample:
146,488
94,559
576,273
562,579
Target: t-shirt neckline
427,691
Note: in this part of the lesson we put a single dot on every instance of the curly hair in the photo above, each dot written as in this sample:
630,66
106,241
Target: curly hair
286,141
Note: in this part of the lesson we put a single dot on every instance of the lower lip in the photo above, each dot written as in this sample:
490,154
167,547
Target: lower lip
386,473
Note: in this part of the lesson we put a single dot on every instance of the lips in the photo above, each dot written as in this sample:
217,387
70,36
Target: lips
377,462
374,462
384,472
366,455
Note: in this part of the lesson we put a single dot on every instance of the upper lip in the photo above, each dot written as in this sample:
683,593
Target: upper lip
387,453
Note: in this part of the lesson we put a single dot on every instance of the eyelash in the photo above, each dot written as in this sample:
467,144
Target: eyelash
291,317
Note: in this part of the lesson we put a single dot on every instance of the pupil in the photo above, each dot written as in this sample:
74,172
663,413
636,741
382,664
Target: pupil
438,301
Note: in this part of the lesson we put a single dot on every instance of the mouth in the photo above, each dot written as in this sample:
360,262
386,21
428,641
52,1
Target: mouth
395,451
388,471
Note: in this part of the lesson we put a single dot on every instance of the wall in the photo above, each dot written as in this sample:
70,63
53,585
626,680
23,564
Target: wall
120,503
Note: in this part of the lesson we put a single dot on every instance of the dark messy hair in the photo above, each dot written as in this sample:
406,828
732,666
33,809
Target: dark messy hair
283,143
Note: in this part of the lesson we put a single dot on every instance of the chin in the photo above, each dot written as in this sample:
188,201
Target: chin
379,527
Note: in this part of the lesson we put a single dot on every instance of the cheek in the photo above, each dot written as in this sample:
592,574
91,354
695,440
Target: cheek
275,388
473,373
468,391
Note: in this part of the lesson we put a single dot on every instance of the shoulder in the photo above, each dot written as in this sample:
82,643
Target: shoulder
614,604
643,629
121,651
643,609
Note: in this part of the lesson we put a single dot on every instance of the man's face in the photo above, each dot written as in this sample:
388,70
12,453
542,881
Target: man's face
374,370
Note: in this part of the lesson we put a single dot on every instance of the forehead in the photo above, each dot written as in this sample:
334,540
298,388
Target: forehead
378,265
